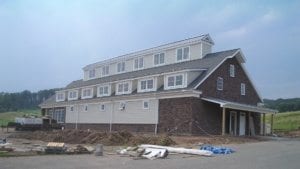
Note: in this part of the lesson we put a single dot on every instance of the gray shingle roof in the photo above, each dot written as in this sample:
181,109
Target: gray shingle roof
207,63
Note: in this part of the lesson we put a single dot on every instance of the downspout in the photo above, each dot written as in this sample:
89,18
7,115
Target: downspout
111,116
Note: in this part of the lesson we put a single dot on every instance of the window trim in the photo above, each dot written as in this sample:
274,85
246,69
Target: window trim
123,92
220,88
140,90
100,107
147,104
104,68
159,54
232,70
104,85
63,96
87,97
138,68
243,89
182,48
121,71
89,74
75,98
166,81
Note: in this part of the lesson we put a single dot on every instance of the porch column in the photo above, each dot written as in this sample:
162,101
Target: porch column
272,119
264,124
223,121
249,121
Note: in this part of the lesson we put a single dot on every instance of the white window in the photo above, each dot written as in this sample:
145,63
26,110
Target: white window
105,70
60,96
138,63
159,59
92,73
122,106
103,91
146,85
243,89
123,88
102,107
73,95
174,81
183,54
145,104
220,83
121,67
232,71
85,108
87,93
71,108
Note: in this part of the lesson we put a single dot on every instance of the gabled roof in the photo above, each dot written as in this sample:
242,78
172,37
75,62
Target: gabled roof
207,64
202,38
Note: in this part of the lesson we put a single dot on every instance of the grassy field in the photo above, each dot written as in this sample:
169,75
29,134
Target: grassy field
286,121
10,116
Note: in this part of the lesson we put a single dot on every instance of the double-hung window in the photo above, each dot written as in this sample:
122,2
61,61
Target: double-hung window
60,96
220,83
243,89
232,71
123,88
121,67
138,63
105,70
73,95
87,93
159,59
103,91
92,73
146,85
183,54
174,81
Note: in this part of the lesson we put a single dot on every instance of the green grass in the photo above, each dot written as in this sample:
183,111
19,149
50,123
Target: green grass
287,121
10,116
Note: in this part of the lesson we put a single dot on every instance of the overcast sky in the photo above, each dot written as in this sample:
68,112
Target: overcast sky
45,44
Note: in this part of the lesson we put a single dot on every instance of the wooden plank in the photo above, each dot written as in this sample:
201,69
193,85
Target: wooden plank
223,121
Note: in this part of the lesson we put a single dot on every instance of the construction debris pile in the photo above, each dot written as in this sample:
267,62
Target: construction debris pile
94,137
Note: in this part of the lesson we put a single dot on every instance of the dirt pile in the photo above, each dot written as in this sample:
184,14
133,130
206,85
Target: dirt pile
93,137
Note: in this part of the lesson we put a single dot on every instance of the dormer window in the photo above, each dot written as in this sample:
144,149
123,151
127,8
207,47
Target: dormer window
123,88
105,70
232,71
138,63
87,93
146,85
73,95
175,81
159,59
103,91
92,73
121,67
183,54
60,96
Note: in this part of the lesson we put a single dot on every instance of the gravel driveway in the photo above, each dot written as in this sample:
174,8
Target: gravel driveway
261,155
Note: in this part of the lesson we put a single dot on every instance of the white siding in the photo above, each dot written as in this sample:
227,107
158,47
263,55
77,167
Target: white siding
206,48
133,113
195,51
191,76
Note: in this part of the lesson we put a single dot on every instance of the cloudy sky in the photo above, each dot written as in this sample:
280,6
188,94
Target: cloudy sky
45,44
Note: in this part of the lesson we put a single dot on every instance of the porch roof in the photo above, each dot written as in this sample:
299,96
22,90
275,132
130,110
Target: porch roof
239,106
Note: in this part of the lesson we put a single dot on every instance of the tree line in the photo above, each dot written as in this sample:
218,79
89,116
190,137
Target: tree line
283,105
23,100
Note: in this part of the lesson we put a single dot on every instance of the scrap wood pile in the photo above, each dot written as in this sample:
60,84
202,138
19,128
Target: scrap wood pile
93,137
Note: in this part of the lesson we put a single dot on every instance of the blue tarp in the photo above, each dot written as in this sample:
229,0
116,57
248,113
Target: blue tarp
217,150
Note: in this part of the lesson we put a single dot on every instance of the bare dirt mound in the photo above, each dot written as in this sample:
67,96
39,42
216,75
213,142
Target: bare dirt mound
93,137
